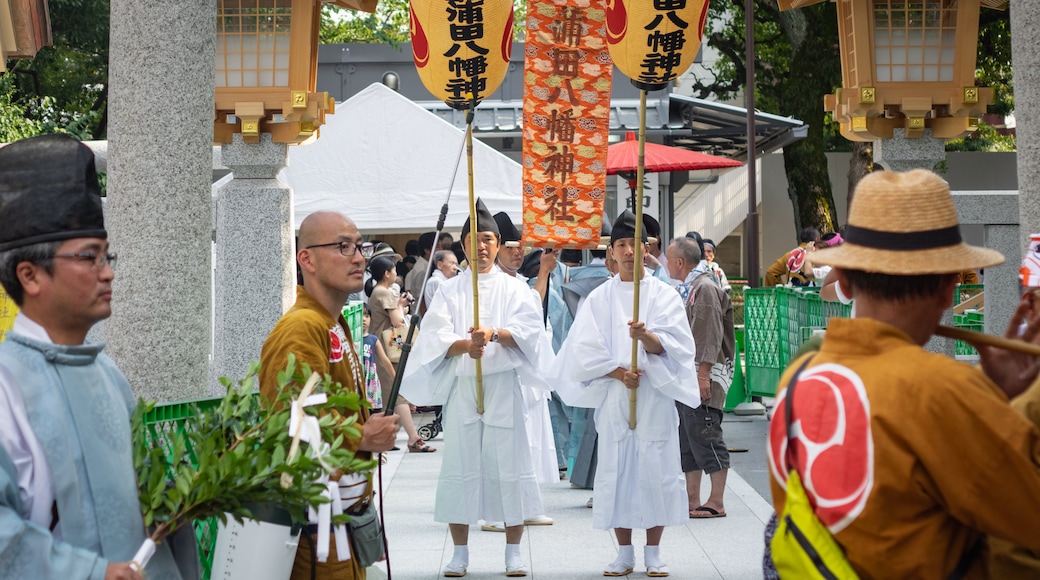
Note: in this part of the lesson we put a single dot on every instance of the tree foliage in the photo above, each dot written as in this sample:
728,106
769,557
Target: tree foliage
65,88
389,23
796,63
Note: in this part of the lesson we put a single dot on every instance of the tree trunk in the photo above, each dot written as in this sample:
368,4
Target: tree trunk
812,31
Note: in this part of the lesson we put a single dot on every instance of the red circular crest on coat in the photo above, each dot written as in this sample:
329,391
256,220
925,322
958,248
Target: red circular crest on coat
833,448
796,260
336,348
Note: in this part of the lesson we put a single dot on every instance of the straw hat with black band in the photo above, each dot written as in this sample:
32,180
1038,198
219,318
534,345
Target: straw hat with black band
905,224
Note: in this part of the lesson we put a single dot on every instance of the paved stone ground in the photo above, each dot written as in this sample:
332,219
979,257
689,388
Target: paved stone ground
729,547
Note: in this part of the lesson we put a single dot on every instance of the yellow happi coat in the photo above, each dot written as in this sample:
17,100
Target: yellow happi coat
910,456
308,331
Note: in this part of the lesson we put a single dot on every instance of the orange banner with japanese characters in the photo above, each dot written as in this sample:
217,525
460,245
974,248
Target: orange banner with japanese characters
567,82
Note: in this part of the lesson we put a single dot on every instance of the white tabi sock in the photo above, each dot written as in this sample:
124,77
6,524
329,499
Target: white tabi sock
512,552
626,555
652,556
461,555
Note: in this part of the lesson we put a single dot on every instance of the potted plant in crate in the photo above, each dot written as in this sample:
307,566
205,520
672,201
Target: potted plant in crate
226,461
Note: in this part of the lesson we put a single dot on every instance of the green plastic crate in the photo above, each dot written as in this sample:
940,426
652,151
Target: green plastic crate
761,340
777,321
159,424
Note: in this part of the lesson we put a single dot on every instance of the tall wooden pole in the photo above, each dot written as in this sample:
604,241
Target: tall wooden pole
637,270
473,266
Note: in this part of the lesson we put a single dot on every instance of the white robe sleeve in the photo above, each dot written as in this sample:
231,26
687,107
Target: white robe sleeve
429,374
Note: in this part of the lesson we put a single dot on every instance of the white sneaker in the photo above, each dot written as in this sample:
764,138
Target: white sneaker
539,521
493,526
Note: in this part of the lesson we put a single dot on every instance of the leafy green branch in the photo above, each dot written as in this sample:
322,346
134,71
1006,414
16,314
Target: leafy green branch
219,462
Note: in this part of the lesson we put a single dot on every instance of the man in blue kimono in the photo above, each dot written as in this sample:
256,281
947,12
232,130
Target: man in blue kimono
68,492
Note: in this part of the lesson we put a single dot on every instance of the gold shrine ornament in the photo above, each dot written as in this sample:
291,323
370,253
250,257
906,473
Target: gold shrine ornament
461,47
655,41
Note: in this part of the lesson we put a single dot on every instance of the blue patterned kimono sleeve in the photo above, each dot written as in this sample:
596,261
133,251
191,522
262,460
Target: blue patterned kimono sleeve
28,550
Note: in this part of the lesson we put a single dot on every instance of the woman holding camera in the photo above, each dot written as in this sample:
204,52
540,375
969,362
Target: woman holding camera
387,311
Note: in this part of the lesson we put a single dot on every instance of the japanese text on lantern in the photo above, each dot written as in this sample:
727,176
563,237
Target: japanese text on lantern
665,48
466,28
567,82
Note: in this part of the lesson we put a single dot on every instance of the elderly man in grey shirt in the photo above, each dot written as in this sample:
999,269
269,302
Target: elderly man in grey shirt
710,314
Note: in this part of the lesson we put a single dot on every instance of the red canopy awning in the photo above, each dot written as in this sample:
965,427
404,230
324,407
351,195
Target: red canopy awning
623,158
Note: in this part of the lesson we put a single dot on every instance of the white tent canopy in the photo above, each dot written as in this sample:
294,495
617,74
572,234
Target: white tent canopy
386,163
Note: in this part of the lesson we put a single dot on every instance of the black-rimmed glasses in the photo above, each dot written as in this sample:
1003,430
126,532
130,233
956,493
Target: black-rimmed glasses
97,259
348,249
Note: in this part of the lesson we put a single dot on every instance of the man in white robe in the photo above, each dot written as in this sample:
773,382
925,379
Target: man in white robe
639,481
487,472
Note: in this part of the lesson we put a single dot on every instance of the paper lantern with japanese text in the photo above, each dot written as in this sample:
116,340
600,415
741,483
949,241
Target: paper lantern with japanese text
461,47
655,41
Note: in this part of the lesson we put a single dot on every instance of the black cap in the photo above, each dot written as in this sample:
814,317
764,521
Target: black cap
510,235
651,226
485,222
570,256
532,263
48,192
625,227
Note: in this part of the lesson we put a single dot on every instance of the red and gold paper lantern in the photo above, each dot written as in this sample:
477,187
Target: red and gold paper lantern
655,41
461,47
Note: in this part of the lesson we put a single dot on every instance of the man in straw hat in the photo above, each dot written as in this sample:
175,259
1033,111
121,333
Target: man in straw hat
68,491
910,458
639,480
488,471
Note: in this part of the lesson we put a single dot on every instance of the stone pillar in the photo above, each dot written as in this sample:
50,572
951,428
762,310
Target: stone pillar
161,75
255,274
998,212
903,154
1025,56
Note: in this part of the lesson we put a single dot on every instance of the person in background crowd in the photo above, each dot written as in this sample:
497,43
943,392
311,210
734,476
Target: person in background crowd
332,260
445,241
820,272
387,313
414,281
710,316
709,257
790,268
375,362
69,504
639,481
445,267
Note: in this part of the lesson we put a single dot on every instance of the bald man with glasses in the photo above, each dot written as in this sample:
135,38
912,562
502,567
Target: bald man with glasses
332,263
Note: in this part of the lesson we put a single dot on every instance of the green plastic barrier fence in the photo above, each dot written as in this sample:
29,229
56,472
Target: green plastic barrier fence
160,423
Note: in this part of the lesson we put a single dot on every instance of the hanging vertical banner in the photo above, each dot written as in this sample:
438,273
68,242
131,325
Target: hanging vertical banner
461,47
655,41
567,82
